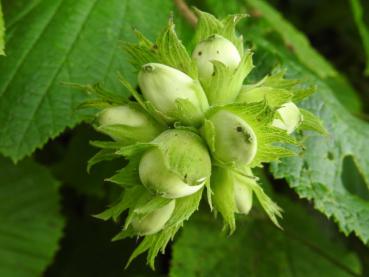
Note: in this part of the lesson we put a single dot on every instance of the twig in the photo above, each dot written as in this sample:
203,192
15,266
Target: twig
186,12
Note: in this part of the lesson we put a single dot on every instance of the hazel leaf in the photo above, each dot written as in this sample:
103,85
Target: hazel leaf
316,174
31,220
259,249
34,105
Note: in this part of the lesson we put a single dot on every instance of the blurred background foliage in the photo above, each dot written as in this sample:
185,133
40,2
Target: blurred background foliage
48,199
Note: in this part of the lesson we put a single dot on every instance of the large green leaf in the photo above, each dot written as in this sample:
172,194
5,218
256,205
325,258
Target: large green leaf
258,249
316,172
63,41
31,223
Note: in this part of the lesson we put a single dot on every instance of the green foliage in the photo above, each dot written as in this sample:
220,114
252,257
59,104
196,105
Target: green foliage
2,33
55,47
31,223
257,249
358,14
177,164
62,41
302,48
299,48
316,172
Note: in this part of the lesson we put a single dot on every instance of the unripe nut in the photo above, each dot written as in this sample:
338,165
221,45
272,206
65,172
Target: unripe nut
289,119
215,48
162,85
154,221
179,166
235,140
124,115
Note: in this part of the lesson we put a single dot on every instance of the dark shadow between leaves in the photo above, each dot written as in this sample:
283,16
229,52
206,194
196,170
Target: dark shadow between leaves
353,180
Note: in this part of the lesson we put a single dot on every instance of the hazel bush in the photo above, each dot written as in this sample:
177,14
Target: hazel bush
195,128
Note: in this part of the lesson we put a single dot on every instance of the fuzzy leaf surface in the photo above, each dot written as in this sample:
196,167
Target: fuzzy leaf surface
51,42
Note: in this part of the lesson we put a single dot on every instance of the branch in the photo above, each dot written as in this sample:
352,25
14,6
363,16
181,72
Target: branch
186,12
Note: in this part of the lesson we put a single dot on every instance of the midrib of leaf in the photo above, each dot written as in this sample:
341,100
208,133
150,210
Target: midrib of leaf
89,11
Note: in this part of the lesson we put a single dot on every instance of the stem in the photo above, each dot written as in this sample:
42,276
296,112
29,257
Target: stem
186,12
